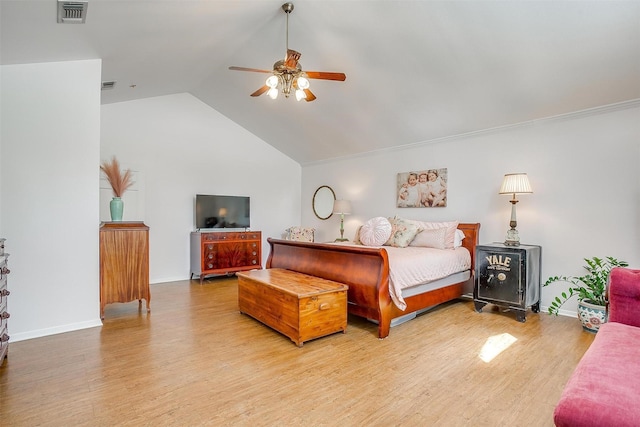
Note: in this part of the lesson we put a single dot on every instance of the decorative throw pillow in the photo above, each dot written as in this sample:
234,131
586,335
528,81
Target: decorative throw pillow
356,238
402,232
435,238
458,238
300,234
451,227
375,232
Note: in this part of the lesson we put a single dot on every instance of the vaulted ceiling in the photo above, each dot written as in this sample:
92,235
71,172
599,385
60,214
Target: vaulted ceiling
417,71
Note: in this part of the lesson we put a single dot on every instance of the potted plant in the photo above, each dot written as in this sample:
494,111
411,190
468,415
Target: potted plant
590,290
119,184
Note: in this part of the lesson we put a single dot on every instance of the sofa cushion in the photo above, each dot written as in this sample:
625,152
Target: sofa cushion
603,389
624,296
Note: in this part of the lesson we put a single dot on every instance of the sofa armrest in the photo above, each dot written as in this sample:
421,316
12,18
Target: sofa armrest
624,296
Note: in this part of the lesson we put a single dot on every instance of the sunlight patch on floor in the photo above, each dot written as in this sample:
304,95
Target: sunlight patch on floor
496,345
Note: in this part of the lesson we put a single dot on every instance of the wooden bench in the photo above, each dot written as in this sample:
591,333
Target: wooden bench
297,305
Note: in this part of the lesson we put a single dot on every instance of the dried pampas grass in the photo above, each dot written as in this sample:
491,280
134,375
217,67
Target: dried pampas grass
119,182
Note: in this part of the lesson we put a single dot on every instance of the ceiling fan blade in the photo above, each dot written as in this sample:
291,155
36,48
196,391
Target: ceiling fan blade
255,70
325,75
292,59
310,96
260,91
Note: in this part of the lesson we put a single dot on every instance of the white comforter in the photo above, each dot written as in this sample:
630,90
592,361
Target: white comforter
413,266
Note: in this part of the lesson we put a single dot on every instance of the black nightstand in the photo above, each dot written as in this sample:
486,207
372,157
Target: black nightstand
508,276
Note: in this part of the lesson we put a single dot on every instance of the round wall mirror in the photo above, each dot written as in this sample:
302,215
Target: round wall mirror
322,202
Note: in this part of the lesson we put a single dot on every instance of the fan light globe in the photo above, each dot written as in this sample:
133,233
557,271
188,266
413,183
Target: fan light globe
273,93
303,83
300,94
272,82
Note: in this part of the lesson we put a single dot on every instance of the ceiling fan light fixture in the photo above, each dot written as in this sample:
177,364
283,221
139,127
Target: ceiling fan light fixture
287,75
303,83
273,93
272,81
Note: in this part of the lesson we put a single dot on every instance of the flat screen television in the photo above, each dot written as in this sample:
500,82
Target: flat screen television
214,211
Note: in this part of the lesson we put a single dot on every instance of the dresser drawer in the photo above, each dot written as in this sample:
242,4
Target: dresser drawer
226,236
4,315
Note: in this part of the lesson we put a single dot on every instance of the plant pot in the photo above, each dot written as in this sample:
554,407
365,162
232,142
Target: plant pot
591,316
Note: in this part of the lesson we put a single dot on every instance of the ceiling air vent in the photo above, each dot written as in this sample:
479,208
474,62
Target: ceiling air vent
108,85
72,12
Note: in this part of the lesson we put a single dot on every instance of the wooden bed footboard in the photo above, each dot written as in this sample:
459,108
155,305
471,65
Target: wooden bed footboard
366,271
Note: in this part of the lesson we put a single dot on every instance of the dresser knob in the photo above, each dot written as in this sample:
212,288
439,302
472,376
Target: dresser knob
4,315
254,253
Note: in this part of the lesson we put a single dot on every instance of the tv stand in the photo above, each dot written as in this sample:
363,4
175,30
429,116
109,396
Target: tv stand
225,252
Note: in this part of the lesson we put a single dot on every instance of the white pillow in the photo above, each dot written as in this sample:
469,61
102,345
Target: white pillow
451,227
434,238
458,238
375,232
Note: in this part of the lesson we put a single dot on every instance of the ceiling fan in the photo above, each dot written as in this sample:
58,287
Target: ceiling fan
287,74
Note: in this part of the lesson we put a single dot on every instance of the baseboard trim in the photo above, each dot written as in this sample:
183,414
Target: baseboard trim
39,333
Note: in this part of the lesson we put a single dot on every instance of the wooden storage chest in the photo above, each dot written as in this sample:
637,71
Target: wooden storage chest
299,306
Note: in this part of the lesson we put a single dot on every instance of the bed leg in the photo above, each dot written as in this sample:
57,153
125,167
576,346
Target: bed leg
383,328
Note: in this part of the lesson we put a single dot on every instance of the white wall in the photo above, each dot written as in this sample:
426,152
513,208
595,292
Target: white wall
49,200
583,169
181,147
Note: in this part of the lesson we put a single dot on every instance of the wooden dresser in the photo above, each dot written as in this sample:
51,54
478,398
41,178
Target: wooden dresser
223,252
124,263
4,293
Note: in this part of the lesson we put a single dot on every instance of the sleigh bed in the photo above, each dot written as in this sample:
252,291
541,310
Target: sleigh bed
366,271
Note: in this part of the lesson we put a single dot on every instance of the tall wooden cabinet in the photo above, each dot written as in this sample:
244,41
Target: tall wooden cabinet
4,293
124,263
223,252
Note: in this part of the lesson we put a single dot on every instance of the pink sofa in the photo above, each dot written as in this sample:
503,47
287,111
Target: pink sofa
604,389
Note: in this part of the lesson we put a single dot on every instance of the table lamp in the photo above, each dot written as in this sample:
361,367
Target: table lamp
514,183
342,207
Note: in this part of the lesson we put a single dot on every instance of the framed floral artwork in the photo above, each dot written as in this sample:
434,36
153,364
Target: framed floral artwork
422,189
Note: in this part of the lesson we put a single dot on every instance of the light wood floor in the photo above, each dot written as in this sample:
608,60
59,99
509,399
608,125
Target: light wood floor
195,360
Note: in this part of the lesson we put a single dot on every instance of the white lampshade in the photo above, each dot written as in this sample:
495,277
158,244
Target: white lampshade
273,93
342,207
515,183
272,81
222,212
302,83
